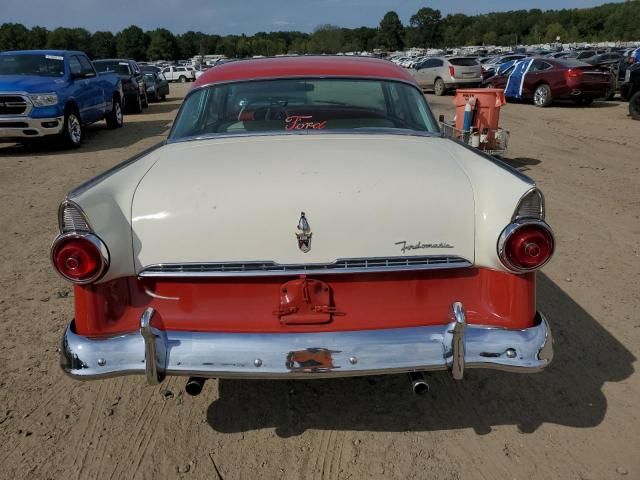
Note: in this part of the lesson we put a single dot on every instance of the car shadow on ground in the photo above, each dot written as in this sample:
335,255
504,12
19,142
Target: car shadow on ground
160,107
97,137
521,163
568,393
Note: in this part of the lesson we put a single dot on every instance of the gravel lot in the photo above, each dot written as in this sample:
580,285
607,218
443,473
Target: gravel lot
578,420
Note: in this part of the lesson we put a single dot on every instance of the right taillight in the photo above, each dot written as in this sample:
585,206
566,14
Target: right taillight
526,246
80,258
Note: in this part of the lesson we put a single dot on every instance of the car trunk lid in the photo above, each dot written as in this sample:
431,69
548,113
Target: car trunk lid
242,200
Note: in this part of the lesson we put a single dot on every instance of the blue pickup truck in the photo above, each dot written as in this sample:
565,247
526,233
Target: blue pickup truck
54,94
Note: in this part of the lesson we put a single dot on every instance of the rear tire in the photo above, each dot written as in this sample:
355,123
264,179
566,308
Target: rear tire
115,118
71,135
439,88
634,106
182,79
542,96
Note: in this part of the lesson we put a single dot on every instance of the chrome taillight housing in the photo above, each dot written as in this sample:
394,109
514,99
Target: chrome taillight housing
80,257
526,246
527,243
77,254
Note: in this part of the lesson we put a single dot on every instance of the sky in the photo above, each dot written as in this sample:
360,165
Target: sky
241,16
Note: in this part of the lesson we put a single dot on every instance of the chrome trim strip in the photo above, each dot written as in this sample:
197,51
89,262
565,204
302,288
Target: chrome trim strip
71,204
352,131
512,228
266,268
308,355
80,189
104,251
515,217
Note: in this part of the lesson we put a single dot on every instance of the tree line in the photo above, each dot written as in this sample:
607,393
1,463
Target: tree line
426,28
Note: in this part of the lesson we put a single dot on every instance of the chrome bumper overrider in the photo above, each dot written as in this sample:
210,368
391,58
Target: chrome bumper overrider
158,353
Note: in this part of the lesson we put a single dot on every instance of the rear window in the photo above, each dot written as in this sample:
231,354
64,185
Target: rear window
302,105
121,68
463,62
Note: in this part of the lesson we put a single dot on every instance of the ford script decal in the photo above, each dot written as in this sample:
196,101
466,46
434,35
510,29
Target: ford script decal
420,246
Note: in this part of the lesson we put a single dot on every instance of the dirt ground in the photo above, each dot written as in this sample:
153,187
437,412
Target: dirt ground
577,420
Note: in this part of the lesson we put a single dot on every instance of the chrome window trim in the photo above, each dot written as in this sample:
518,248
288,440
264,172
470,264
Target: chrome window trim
102,248
353,131
270,268
510,230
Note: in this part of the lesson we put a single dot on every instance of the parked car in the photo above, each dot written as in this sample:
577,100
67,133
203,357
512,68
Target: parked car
178,74
630,90
157,87
338,271
581,54
442,73
549,79
55,94
135,95
491,67
151,69
603,59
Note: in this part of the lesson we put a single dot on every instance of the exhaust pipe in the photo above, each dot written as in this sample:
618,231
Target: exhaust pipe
419,384
194,385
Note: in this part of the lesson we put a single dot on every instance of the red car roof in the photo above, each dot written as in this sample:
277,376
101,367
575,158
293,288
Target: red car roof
308,66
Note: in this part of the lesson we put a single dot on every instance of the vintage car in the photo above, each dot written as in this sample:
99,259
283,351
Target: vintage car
304,219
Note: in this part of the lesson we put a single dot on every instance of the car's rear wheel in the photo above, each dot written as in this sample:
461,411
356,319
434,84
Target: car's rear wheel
542,96
438,87
634,106
115,118
71,135
182,79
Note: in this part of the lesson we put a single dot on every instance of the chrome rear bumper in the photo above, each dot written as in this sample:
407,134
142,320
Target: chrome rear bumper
158,353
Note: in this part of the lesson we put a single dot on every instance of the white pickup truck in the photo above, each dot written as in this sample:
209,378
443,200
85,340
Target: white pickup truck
179,74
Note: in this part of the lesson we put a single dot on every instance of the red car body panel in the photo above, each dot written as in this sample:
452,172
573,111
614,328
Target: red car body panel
361,302
565,80
312,66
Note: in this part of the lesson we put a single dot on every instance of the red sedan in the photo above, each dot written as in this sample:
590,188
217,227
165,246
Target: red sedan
549,79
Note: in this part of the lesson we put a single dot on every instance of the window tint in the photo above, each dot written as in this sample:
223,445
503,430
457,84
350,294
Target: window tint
539,65
87,68
180,69
32,64
463,62
75,66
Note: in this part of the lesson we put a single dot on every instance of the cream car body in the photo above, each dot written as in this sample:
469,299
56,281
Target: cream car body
295,252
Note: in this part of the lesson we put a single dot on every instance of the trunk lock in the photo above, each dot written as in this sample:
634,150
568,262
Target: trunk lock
305,302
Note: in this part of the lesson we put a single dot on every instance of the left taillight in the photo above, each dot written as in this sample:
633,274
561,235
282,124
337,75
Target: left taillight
452,71
78,254
80,258
526,246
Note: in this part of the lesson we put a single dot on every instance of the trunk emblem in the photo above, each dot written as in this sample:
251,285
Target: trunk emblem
304,237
